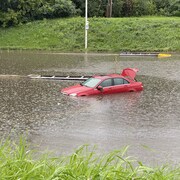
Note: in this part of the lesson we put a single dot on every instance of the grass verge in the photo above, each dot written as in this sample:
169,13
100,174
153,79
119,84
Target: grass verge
104,35
17,162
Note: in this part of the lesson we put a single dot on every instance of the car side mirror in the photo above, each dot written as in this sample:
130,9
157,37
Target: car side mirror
100,88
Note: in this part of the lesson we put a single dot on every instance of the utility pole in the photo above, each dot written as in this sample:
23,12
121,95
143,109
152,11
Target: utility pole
86,23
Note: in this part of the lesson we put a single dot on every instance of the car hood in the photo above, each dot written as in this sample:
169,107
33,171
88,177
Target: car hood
129,72
75,89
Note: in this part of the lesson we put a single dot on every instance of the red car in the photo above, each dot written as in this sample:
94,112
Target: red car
111,83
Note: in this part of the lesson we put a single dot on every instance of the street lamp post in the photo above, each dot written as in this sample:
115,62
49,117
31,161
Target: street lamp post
86,23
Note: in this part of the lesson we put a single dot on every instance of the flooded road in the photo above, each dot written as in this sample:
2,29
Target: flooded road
148,121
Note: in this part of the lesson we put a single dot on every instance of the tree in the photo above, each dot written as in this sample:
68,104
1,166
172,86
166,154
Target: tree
127,9
174,8
162,6
109,8
117,8
141,7
13,12
63,8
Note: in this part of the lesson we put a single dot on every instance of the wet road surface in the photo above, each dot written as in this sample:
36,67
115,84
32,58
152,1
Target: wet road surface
148,121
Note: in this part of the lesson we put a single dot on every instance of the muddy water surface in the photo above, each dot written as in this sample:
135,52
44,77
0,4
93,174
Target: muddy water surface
148,121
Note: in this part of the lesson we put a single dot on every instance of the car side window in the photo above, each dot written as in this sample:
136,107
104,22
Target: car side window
120,81
125,81
106,83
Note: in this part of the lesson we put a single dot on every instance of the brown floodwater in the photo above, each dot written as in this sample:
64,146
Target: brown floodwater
147,121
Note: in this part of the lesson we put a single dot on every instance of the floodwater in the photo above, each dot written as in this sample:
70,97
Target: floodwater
147,121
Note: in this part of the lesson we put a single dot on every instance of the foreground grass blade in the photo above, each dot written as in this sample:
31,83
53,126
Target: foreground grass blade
17,162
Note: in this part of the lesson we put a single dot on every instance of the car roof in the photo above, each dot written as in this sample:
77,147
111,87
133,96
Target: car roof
108,76
127,73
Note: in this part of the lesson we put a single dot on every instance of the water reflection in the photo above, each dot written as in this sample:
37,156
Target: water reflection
61,123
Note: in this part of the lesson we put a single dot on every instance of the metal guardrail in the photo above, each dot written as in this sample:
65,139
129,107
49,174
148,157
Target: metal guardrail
79,78
159,55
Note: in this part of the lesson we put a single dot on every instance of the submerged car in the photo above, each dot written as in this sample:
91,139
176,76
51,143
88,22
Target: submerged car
108,84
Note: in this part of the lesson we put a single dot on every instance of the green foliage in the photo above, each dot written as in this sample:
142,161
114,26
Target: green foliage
117,8
17,162
141,7
127,8
174,8
9,18
95,7
124,8
63,8
104,34
14,12
80,6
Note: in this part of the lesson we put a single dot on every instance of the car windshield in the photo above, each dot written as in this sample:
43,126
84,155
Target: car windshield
91,82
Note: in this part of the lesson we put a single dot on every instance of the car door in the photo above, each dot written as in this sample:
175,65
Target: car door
120,85
107,86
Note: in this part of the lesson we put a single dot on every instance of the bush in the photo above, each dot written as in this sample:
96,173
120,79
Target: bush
141,7
117,8
9,18
63,8
174,8
21,11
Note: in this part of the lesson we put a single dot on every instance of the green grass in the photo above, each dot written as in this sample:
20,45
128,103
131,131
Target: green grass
105,35
17,162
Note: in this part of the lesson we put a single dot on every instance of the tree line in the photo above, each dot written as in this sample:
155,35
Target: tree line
14,12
